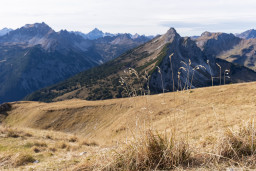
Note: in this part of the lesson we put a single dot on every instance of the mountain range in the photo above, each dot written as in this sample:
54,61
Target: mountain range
5,31
94,34
45,65
35,56
166,63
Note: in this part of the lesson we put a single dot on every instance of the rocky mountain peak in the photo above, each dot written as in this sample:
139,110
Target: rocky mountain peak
171,35
36,25
95,34
215,43
206,33
5,31
96,30
249,34
40,27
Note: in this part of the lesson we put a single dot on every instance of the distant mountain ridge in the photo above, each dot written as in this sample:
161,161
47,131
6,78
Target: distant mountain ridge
238,50
35,56
96,34
249,34
5,31
169,61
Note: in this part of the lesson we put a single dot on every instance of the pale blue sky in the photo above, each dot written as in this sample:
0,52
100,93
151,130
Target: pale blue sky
150,17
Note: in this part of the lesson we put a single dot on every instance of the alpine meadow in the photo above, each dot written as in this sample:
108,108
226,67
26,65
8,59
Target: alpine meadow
168,85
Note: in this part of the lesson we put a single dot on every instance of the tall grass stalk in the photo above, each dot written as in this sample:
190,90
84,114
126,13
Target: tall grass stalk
185,85
220,71
208,62
253,132
173,85
194,69
189,63
159,71
179,75
226,72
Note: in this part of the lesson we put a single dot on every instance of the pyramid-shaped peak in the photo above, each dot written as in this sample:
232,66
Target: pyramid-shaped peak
170,35
171,31
96,30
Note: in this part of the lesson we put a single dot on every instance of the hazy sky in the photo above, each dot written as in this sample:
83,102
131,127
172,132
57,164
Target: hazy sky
150,17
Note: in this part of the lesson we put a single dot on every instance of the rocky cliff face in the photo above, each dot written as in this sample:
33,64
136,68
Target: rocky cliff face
215,43
224,46
177,70
243,54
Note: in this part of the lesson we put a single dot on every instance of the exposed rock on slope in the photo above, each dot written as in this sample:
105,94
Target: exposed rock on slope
243,54
214,43
230,48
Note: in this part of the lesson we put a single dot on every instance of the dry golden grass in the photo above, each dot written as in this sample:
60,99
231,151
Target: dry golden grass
20,153
203,111
199,117
151,151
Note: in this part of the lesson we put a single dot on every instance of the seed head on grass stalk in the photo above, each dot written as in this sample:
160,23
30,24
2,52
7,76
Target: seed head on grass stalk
133,71
187,69
194,69
178,81
226,75
181,68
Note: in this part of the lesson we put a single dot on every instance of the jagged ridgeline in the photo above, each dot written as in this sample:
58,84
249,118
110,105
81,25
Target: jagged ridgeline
168,62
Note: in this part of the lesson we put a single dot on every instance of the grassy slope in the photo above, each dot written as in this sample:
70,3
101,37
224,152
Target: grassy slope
102,120
198,115
54,150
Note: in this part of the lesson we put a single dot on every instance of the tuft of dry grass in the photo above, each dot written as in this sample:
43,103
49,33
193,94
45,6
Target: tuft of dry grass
238,144
73,139
53,149
62,145
27,134
23,159
36,149
12,133
48,137
88,143
152,151
40,144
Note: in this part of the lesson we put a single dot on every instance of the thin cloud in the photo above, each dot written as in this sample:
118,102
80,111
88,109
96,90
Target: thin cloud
134,16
